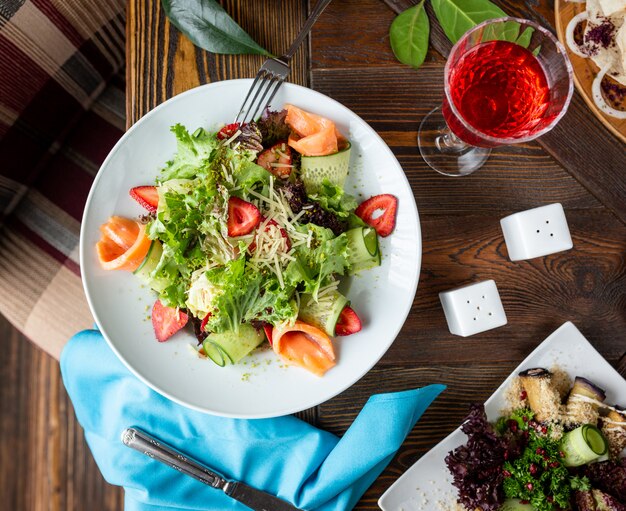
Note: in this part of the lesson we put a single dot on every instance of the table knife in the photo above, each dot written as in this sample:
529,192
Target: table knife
156,449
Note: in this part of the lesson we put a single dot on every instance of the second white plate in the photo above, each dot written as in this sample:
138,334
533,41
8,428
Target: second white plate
427,485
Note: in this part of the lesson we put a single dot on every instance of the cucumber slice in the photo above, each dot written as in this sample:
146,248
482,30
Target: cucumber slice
145,269
514,505
363,249
215,352
583,445
324,313
333,167
230,347
150,262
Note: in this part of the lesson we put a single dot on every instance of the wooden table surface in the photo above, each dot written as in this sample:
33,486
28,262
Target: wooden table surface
579,164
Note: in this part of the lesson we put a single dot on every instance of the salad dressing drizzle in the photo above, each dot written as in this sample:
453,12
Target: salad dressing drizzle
599,404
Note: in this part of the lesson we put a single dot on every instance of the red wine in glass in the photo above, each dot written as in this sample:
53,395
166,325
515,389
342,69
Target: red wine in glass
506,81
501,90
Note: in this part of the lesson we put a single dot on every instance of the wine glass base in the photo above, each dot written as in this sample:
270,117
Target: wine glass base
444,151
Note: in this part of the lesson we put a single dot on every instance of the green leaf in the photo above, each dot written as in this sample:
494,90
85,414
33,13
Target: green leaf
208,26
193,153
334,199
509,31
458,16
408,36
525,37
247,295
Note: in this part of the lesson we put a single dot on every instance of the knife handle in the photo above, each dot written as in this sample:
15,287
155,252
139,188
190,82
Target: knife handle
150,446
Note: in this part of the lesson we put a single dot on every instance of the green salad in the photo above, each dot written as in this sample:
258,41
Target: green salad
247,238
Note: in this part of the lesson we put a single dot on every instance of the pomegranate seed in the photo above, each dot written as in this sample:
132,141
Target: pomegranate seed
544,430
533,469
550,498
540,450
512,425
554,464
524,501
529,486
561,454
506,455
506,473
523,395
525,419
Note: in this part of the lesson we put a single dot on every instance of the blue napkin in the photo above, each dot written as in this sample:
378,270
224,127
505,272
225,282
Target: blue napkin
284,456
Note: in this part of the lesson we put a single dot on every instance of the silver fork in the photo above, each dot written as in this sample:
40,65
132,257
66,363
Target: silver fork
273,72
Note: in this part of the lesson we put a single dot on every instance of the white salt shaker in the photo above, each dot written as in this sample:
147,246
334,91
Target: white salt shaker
536,232
473,309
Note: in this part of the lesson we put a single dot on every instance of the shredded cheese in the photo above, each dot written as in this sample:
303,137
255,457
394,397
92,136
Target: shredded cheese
235,135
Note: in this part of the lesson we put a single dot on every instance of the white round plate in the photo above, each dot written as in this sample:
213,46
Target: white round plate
260,386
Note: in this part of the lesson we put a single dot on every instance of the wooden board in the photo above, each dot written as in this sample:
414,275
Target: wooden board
53,470
585,70
45,463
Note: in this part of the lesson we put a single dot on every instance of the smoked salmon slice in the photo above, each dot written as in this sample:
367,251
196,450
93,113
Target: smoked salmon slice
304,345
321,143
305,123
315,135
123,244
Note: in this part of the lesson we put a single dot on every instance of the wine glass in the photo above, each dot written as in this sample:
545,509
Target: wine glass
507,81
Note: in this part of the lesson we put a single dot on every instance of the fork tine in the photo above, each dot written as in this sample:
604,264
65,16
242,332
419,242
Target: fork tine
278,85
271,90
261,86
260,74
258,97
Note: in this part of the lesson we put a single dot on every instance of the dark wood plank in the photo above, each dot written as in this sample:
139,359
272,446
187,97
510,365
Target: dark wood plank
45,464
394,100
462,240
597,161
355,33
585,285
621,365
161,62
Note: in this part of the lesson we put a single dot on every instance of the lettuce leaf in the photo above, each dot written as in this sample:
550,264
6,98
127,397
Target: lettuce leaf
248,295
193,156
334,199
314,266
249,174
189,221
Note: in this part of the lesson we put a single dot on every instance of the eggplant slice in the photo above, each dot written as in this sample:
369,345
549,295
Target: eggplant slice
614,429
584,402
543,397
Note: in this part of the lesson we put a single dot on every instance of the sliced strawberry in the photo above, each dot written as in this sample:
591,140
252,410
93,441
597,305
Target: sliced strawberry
228,131
349,323
167,321
268,329
243,217
205,321
386,205
277,159
147,196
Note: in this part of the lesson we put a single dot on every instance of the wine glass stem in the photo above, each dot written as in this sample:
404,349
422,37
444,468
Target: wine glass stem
449,142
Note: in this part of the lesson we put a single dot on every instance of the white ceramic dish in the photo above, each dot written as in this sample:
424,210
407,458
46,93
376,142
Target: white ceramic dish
262,387
427,485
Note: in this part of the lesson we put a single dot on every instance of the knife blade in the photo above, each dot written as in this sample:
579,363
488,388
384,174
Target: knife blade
255,499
